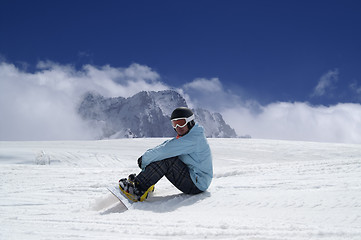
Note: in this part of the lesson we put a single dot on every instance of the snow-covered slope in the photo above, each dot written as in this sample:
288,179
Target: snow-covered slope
145,114
261,189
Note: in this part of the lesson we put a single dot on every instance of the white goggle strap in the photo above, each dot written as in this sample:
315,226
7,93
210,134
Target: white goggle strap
188,119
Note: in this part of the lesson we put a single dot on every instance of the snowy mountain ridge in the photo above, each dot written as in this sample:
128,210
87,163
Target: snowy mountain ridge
146,114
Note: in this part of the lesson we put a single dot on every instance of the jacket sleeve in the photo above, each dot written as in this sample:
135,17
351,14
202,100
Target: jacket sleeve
169,148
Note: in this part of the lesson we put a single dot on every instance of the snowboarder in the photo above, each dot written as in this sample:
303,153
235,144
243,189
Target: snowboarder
185,160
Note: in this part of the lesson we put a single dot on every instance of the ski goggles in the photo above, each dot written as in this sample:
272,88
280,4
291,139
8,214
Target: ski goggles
181,122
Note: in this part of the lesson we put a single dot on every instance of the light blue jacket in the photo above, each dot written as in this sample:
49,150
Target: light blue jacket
192,149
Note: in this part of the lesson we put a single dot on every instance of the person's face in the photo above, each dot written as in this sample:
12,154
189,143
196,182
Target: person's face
182,130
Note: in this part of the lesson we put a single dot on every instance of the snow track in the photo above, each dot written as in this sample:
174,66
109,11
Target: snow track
262,189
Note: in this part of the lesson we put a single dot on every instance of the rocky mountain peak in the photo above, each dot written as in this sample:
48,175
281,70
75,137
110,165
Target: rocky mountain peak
146,114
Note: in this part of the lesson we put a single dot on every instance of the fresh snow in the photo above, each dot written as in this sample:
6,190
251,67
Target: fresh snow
262,189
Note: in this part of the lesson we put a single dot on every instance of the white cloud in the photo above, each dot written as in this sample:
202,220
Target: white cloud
208,93
282,120
107,80
42,105
202,84
299,121
355,88
326,82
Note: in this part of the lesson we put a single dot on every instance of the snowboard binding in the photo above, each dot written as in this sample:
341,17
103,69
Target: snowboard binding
129,188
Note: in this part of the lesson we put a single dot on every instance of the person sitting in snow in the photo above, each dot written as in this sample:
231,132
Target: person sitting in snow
185,160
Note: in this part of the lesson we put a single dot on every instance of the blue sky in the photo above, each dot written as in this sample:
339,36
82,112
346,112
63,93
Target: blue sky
254,53
271,50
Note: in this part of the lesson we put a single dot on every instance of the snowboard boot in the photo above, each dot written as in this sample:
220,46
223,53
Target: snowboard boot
131,189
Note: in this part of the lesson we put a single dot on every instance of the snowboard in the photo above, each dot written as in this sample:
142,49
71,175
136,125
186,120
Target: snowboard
127,199
126,202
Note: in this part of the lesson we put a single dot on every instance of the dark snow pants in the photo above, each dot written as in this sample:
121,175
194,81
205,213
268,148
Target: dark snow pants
173,169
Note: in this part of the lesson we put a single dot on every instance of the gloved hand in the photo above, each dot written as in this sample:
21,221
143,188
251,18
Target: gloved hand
140,162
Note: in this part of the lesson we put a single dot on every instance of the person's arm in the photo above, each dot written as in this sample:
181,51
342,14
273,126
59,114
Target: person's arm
170,148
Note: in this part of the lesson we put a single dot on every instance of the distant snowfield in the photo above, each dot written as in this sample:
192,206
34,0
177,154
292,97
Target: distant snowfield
262,189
